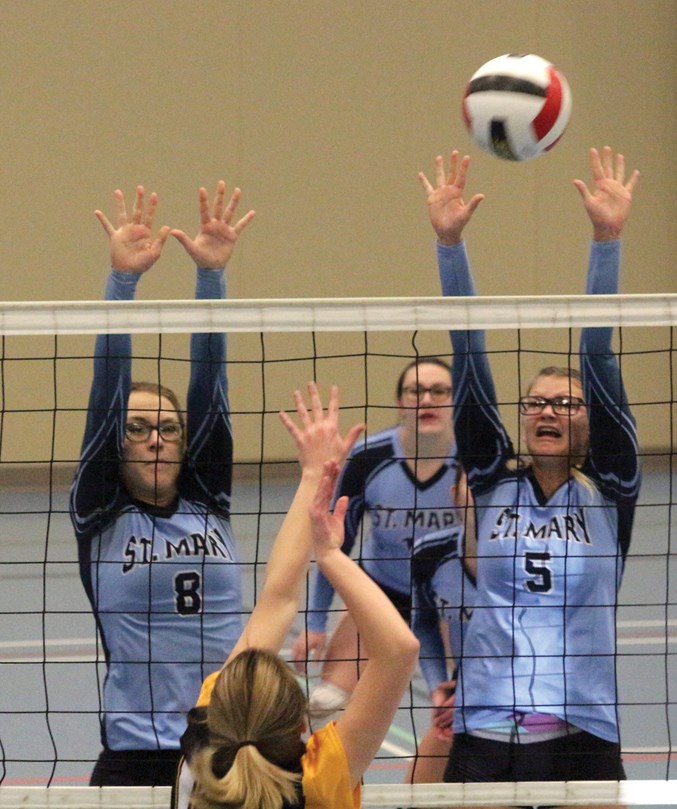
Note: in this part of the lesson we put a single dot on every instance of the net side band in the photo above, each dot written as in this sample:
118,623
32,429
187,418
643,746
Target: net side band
336,314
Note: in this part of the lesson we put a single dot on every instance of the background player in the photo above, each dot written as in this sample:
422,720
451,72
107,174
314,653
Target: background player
400,478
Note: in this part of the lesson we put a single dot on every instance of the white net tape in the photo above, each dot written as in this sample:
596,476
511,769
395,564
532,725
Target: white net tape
581,793
337,314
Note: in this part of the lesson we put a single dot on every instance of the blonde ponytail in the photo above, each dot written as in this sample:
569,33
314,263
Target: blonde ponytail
254,720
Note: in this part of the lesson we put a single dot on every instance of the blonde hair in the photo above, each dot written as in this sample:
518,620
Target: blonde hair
573,374
254,721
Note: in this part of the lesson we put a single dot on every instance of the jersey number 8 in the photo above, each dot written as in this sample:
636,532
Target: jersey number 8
187,589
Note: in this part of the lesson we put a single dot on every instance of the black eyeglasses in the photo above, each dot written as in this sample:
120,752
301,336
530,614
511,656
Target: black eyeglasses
138,431
561,405
438,393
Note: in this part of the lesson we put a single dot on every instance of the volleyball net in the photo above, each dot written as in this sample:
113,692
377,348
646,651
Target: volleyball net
51,663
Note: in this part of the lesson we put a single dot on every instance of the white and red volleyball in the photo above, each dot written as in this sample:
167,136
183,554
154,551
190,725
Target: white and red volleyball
517,106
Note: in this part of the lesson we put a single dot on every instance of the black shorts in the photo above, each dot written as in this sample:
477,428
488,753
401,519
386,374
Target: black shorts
575,757
135,768
401,602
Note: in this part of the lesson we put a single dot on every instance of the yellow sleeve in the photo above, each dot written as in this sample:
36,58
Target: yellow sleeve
206,690
326,775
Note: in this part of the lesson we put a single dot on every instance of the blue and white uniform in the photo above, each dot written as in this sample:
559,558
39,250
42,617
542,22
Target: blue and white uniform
400,507
164,583
443,591
542,635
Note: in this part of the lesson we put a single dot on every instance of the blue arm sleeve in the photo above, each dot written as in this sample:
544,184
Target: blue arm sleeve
322,592
207,474
483,444
96,485
614,453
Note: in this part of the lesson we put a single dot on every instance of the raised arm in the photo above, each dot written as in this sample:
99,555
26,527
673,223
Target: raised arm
608,205
209,434
391,647
320,448
311,641
134,248
483,444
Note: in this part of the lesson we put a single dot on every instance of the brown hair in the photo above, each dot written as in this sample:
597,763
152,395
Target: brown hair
414,364
255,718
160,390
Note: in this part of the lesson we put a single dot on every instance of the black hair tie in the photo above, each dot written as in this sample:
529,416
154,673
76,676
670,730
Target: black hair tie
245,743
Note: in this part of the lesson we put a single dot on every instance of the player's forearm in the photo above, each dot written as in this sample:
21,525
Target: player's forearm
290,556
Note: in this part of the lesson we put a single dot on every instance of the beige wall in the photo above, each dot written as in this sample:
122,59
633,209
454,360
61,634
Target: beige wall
323,112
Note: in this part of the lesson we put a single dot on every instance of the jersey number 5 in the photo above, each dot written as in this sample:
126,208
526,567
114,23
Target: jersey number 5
187,589
536,565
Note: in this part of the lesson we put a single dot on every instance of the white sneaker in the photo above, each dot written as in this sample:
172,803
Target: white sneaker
327,698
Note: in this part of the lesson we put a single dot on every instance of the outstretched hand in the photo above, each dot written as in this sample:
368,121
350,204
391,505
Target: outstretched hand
448,211
320,447
133,247
608,204
318,438
328,527
215,241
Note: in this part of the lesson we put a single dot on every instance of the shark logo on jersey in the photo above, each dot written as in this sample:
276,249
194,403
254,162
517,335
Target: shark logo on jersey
567,527
138,550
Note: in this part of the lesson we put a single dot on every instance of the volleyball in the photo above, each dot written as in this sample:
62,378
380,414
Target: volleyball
517,106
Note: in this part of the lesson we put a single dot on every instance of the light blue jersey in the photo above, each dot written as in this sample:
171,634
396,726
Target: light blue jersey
379,484
164,583
542,635
443,591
